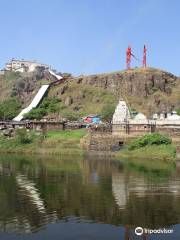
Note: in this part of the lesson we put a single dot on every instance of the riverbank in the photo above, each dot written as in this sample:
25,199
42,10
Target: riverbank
150,147
53,142
70,142
164,152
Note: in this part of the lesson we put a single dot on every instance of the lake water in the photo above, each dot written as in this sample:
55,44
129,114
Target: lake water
71,198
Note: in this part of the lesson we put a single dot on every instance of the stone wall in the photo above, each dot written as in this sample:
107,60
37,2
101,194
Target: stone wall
172,130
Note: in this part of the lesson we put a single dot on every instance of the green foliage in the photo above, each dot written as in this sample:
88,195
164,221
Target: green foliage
9,108
107,112
149,139
49,105
23,136
36,113
178,111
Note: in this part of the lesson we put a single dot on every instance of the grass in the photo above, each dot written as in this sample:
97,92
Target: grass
6,84
85,97
67,134
151,152
159,159
55,142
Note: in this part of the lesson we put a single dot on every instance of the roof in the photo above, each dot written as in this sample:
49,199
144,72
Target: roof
140,116
173,117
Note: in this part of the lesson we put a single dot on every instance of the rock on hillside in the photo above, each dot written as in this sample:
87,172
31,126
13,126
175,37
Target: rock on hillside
147,89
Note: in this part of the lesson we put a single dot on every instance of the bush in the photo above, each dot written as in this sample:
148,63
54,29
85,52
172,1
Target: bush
48,105
149,139
23,136
36,113
9,108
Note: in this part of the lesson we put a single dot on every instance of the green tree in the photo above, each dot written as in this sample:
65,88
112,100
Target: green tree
9,108
36,113
107,112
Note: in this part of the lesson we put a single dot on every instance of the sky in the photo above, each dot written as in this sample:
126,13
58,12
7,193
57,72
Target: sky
91,36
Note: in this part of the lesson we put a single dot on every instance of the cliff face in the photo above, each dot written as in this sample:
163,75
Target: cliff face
149,90
135,81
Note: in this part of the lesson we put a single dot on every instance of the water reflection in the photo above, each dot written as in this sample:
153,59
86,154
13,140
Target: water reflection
36,192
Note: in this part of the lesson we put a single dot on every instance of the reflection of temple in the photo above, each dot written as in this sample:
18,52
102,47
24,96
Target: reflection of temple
36,193
124,186
120,190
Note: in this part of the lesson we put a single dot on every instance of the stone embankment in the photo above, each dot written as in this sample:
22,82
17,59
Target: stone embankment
104,141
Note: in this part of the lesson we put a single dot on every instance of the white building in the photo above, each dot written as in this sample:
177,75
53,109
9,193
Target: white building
23,65
173,116
121,113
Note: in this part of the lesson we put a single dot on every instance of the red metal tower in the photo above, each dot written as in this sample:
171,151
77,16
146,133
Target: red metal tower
144,56
128,57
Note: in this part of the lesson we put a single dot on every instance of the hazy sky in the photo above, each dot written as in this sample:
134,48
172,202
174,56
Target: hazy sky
91,36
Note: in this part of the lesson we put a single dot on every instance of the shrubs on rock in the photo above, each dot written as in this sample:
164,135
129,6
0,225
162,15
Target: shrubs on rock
49,105
149,139
36,113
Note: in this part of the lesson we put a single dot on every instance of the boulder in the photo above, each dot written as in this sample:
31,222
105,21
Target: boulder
68,101
63,89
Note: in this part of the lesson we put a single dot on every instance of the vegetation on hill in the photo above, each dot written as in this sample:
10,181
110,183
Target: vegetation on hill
9,108
21,85
146,90
75,102
7,81
47,106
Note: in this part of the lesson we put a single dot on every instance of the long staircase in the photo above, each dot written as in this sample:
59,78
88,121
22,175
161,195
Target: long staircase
36,100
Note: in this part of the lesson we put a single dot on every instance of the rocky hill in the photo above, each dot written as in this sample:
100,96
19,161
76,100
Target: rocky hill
146,89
